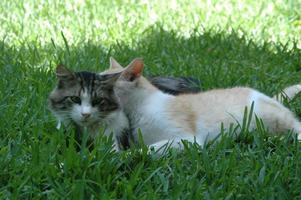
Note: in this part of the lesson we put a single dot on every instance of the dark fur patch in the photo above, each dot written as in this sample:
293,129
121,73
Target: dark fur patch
86,80
176,85
125,139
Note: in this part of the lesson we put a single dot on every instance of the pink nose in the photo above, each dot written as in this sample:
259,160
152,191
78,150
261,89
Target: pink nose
86,115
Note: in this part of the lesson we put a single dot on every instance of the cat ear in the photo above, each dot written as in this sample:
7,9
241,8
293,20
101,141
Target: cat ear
107,80
114,64
63,73
133,70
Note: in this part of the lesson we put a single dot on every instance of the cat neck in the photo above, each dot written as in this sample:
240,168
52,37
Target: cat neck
140,96
145,85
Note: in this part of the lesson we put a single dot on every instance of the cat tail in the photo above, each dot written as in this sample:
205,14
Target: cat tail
288,93
176,85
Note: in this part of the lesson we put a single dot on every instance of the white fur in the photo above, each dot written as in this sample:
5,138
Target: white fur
151,117
59,124
148,111
86,107
116,122
78,111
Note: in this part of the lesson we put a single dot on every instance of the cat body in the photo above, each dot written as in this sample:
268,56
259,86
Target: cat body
164,118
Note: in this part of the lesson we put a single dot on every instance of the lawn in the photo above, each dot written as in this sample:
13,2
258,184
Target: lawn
222,43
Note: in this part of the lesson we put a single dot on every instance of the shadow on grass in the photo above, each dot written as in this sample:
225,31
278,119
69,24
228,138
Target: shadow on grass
217,59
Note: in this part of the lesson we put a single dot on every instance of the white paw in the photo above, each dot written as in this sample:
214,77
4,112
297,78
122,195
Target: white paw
59,124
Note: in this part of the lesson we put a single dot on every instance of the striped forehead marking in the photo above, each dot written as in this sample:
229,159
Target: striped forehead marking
86,81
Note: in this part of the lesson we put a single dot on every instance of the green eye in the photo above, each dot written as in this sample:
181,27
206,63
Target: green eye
97,101
75,99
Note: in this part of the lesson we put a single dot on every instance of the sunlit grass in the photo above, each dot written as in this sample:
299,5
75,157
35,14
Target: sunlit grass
109,21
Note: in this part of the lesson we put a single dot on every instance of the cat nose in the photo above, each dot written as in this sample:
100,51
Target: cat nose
86,115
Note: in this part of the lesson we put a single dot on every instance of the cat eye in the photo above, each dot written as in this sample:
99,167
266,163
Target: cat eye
97,101
75,99
132,78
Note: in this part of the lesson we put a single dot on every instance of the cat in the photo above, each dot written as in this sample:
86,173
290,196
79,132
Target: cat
86,101
165,119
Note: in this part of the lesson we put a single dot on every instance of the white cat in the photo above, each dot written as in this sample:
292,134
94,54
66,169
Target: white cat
164,118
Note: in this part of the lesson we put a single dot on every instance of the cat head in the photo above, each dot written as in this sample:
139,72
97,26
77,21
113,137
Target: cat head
83,97
130,75
130,80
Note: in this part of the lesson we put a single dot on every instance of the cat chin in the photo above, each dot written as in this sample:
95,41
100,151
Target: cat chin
89,123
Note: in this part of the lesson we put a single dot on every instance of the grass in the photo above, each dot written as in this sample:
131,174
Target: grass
223,43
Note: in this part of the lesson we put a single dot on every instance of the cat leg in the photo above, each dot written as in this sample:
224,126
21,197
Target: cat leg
118,124
122,138
108,133
277,117
289,123
162,146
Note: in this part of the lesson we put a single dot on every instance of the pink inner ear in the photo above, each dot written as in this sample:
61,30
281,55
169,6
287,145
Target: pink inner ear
137,67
